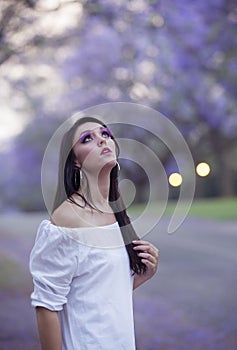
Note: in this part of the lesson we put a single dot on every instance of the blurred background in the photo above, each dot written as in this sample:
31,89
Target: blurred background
177,57
59,57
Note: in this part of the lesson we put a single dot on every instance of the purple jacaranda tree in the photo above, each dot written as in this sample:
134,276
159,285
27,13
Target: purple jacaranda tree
28,26
200,93
178,57
20,181
174,56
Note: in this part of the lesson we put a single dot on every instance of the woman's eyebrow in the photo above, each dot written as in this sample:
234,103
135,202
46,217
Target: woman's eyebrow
86,131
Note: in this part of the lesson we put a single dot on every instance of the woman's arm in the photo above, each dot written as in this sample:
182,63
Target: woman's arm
49,329
150,255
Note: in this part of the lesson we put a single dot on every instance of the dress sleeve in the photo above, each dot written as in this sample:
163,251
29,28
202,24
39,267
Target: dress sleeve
53,263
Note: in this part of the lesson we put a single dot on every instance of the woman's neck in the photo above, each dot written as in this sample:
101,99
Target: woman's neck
98,192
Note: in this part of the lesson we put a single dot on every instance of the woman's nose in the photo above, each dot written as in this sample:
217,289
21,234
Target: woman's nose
100,140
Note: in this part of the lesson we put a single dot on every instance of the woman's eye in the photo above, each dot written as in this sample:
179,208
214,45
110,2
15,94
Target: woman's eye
85,138
106,132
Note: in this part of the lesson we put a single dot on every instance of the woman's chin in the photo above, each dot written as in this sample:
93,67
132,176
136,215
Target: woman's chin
109,165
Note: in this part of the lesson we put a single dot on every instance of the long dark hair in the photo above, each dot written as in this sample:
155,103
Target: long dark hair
69,183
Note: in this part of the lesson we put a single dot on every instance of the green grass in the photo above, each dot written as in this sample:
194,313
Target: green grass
8,272
212,208
11,276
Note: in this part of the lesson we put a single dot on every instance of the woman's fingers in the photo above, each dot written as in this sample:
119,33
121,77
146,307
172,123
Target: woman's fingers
142,247
146,247
148,256
150,265
148,253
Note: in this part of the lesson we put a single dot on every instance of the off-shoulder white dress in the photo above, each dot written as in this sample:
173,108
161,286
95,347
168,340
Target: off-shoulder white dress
84,274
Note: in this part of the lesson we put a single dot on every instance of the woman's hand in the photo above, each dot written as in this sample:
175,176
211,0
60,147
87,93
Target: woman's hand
149,255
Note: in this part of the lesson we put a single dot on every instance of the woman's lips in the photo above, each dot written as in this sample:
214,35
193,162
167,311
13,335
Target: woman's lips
106,150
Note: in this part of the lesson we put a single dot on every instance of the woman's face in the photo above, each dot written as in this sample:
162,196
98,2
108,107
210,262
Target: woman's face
93,147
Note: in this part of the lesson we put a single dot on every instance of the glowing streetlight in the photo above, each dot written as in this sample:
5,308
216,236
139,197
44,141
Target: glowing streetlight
203,169
175,179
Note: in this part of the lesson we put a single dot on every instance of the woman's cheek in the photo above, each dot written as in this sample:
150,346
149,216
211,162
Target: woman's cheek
81,153
86,154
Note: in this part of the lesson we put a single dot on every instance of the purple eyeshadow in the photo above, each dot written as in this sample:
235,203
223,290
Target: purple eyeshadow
88,133
107,130
83,136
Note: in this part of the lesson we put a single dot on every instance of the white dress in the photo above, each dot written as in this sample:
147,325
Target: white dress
84,274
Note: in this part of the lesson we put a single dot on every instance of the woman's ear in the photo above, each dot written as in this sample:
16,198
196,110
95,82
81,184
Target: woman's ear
77,164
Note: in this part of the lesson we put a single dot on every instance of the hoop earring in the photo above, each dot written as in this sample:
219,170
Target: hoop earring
118,166
81,176
76,173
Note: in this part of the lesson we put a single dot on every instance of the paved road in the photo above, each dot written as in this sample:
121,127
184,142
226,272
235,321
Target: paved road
190,304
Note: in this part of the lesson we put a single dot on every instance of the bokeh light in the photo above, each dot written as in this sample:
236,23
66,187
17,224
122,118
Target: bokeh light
203,169
175,179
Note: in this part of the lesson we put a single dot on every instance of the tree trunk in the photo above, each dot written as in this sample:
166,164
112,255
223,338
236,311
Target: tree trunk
226,176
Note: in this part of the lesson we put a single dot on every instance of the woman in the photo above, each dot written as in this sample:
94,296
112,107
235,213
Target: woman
87,259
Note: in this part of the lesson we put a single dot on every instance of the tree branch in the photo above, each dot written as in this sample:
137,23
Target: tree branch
58,7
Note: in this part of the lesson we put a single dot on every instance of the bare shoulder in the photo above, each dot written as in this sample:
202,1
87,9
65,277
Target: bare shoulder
67,215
